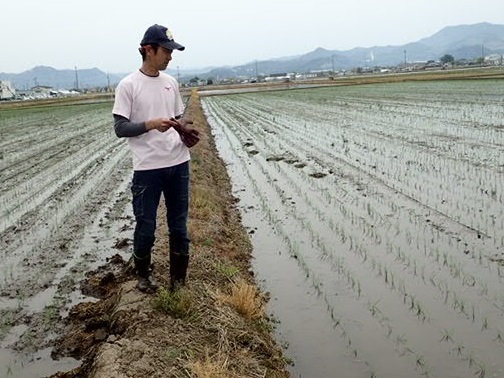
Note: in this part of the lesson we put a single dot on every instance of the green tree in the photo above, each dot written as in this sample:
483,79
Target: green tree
447,58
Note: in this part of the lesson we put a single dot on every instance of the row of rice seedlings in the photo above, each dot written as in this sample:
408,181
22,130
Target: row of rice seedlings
369,210
9,318
54,131
29,119
353,282
453,268
457,303
57,212
382,271
456,269
265,202
36,190
52,136
451,297
386,275
477,366
295,252
67,172
339,266
414,305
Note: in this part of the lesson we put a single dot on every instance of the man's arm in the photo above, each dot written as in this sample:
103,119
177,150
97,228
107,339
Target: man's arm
124,128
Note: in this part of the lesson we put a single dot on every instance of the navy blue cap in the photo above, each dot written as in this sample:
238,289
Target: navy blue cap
157,34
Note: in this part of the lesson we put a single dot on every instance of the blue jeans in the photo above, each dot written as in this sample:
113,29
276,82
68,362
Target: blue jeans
146,188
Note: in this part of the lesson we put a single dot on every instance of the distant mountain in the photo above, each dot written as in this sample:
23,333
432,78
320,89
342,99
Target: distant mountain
61,79
462,41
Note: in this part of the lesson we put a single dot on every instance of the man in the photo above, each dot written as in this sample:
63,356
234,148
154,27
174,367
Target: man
148,111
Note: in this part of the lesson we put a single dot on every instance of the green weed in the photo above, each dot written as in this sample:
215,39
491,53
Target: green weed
178,304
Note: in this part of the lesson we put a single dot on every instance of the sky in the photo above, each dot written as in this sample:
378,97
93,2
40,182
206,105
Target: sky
69,34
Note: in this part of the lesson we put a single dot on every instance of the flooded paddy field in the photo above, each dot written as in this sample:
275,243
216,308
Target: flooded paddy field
377,218
63,207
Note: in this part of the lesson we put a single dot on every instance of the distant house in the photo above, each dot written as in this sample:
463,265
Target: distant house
7,91
494,59
42,90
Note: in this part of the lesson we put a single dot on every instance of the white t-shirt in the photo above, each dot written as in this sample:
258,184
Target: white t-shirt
139,97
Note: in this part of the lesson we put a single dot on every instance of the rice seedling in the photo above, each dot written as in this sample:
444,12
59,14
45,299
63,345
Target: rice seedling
480,371
373,308
499,337
484,324
458,350
447,335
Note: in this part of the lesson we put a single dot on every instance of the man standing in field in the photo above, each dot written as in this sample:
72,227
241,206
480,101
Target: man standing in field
148,111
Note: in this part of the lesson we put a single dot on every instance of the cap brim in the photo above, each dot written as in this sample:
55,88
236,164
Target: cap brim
172,46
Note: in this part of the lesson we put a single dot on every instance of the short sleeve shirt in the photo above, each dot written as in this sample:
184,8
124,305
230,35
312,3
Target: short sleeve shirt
138,98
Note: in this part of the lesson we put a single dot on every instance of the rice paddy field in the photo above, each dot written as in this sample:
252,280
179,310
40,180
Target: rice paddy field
63,207
377,217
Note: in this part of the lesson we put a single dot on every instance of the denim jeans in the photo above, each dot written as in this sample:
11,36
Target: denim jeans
146,188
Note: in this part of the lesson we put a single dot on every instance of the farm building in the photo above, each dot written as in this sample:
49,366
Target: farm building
7,91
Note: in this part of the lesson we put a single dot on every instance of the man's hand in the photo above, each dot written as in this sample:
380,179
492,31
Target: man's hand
160,124
188,134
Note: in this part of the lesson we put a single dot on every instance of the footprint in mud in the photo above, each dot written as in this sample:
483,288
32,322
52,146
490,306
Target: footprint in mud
317,174
275,158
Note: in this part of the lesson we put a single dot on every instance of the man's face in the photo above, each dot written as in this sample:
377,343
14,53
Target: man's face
160,58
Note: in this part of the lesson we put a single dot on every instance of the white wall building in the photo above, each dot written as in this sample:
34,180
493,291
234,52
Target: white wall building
7,91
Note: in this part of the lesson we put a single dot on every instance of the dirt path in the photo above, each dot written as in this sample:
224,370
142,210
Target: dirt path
130,334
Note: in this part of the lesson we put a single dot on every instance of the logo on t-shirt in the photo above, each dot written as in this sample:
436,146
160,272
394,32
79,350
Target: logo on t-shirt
167,88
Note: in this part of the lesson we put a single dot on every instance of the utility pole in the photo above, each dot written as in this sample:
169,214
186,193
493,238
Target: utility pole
76,79
256,72
405,60
332,62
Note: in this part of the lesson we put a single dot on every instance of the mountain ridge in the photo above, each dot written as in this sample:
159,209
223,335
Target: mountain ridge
466,41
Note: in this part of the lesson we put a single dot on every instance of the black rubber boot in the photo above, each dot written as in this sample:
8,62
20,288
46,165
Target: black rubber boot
146,281
178,269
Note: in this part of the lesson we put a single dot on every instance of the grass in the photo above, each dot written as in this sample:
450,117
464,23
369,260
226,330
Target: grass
178,304
216,366
245,299
226,270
